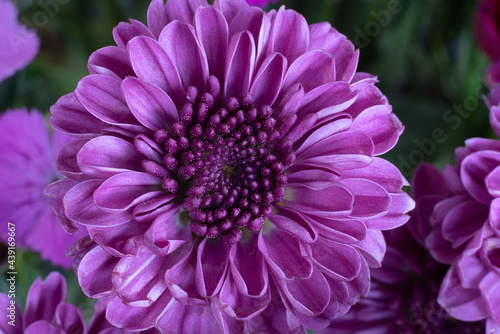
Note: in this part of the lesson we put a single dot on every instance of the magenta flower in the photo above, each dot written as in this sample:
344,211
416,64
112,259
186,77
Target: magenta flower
47,312
18,45
457,212
28,154
226,169
403,295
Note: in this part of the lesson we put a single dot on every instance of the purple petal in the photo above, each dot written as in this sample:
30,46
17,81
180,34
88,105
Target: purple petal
42,326
70,318
94,272
383,173
57,190
69,116
80,207
248,268
309,296
306,199
471,270
239,306
474,170
350,142
183,10
464,220
311,70
181,279
372,247
136,318
67,162
240,65
152,64
211,266
106,156
267,82
294,223
258,23
124,32
180,42
182,318
125,190
168,232
463,304
370,199
43,298
119,240
157,17
290,34
212,30
383,127
230,8
284,255
111,61
401,204
152,107
490,290
340,262
149,210
346,231
139,279
102,97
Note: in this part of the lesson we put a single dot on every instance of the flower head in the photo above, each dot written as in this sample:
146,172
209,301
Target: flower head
18,45
457,213
27,154
47,312
226,169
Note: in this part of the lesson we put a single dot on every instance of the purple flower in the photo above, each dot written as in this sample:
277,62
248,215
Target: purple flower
487,27
404,294
47,312
18,45
456,213
226,169
27,154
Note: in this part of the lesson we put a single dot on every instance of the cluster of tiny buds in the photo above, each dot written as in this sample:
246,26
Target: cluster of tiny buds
227,161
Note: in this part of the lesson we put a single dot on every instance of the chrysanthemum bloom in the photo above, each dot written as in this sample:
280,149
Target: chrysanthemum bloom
47,312
458,214
226,169
18,45
403,294
27,165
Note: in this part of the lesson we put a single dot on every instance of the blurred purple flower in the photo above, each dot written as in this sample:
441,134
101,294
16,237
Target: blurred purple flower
47,312
226,169
403,295
28,154
18,45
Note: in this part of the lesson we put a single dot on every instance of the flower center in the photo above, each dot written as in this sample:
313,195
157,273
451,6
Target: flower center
225,160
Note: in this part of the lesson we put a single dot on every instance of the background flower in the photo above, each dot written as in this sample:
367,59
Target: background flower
47,312
220,155
28,153
18,45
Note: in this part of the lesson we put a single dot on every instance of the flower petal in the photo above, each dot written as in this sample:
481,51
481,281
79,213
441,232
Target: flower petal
150,105
94,272
179,41
122,191
212,30
152,64
267,82
290,34
239,65
284,255
105,156
111,61
211,266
